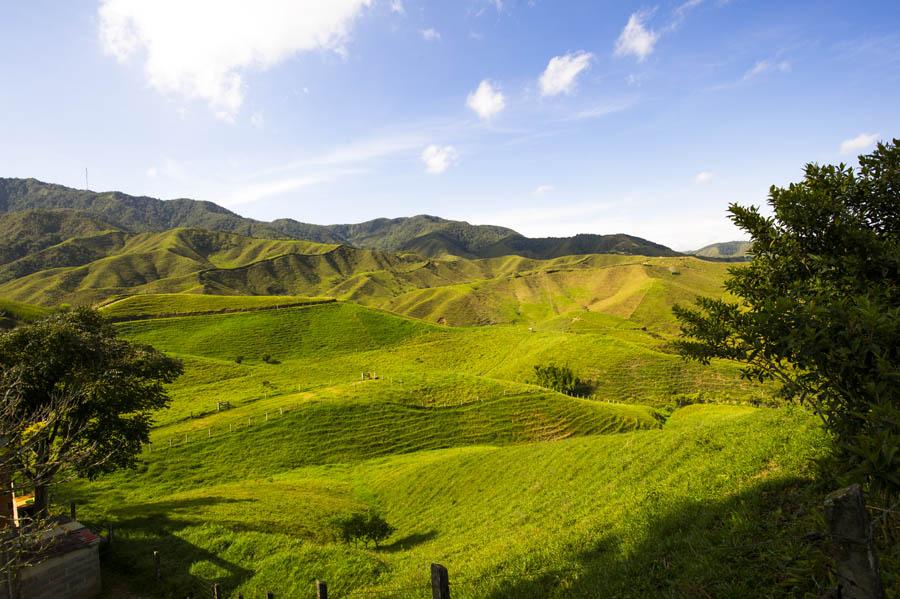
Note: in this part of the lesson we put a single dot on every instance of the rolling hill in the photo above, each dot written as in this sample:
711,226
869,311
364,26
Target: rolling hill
106,264
726,249
522,492
429,236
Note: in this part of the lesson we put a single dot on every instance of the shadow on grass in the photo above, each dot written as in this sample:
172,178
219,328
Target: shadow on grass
409,541
755,544
186,570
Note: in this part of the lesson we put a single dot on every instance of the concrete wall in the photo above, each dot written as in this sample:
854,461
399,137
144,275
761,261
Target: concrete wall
74,575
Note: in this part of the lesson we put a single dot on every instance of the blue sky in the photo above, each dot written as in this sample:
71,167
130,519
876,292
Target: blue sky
552,117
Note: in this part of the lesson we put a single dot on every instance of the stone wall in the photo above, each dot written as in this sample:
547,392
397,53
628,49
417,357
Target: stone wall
73,575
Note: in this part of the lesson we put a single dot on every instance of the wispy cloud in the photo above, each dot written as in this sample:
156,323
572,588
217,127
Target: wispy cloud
636,39
542,190
561,74
703,177
430,35
261,191
397,7
764,66
862,141
598,111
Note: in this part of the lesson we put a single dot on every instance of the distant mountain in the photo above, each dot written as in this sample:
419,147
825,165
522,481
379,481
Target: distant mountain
428,236
725,249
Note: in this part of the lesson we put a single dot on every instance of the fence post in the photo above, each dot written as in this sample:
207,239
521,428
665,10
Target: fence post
440,582
321,590
157,565
217,591
857,562
72,510
270,595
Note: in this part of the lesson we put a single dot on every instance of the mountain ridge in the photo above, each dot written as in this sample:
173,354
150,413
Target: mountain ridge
426,235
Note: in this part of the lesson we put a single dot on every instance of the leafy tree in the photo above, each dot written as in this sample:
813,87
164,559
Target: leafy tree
820,309
559,378
78,398
362,526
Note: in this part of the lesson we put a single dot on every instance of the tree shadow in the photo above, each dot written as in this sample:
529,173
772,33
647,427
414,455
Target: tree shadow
760,543
186,570
409,541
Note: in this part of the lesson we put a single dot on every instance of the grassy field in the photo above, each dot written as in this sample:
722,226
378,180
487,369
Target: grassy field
520,491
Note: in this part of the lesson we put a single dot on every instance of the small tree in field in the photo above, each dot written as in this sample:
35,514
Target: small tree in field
362,526
559,378
78,399
820,309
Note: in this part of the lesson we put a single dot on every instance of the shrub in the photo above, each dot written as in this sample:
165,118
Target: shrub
238,359
368,527
560,378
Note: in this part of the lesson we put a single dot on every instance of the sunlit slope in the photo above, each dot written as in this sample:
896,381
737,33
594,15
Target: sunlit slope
674,511
509,289
327,349
640,290
178,304
93,268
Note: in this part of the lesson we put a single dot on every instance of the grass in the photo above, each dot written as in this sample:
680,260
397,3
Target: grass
520,491
182,304
664,511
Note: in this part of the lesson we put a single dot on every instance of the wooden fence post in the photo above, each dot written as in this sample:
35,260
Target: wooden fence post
270,595
72,510
321,590
851,533
217,591
440,582
157,565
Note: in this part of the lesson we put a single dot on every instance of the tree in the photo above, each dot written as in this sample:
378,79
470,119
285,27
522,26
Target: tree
78,398
820,306
559,378
362,526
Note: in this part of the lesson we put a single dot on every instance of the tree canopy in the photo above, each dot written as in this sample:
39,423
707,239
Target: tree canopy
78,399
819,308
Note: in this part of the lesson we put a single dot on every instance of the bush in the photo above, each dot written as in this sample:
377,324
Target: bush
368,527
238,359
560,378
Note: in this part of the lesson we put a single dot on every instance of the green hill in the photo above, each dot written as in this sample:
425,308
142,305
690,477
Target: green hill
290,415
727,249
520,491
109,264
425,235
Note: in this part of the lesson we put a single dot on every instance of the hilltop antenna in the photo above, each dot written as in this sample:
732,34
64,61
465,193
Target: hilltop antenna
86,186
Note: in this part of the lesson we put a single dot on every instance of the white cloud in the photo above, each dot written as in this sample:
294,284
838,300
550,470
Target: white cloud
542,190
438,159
255,193
257,119
764,65
168,168
199,49
486,101
636,39
562,72
703,177
430,35
397,7
860,142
